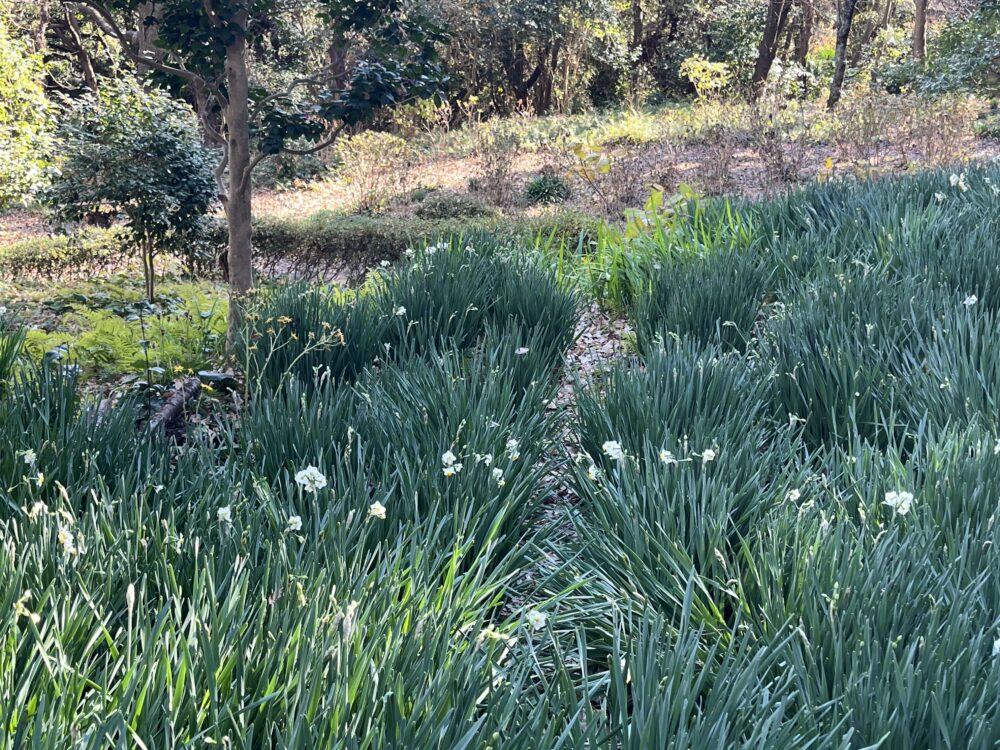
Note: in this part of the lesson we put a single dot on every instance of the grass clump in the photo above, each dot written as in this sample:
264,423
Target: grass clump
547,188
421,307
780,532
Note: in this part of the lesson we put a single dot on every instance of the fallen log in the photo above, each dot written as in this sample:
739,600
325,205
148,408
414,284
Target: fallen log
185,391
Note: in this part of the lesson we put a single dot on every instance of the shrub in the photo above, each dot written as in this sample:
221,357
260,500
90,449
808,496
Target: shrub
497,147
710,79
547,188
779,133
446,204
374,165
83,255
623,180
134,155
25,119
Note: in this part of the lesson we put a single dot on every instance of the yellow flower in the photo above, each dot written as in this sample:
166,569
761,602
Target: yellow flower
284,320
377,510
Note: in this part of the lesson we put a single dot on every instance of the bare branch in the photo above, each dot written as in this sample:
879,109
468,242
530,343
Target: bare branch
325,143
320,146
220,172
317,80
105,21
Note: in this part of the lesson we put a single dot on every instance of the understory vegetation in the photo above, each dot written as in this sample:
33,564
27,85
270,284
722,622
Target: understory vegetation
771,524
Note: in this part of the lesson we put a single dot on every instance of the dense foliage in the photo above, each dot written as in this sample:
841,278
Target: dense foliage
25,118
782,527
966,56
134,158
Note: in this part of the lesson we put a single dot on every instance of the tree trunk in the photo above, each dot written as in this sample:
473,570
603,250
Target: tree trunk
637,34
845,17
804,37
43,26
82,56
145,38
920,30
238,202
774,24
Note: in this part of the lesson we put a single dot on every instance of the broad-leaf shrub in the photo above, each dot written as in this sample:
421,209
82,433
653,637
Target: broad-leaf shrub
133,156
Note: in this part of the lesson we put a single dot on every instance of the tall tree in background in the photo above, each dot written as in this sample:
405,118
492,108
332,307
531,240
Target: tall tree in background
807,19
385,56
774,25
845,17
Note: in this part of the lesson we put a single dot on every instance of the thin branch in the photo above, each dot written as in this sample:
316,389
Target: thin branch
111,26
319,147
317,80
329,141
220,171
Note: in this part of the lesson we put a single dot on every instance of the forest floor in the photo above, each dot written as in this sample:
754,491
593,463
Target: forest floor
714,150
748,177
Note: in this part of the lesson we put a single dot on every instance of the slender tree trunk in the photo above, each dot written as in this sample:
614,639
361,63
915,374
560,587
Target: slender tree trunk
845,17
920,30
82,56
786,45
637,34
238,202
774,24
43,26
804,37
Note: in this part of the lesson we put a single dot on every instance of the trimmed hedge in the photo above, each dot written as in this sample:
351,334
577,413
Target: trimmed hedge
318,247
327,244
47,257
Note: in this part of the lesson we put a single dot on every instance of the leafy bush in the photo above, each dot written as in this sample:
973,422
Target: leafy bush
373,165
447,204
25,119
963,57
83,255
134,155
710,79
